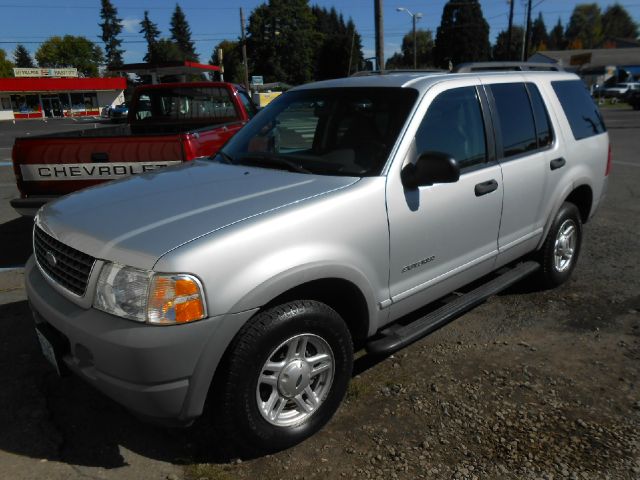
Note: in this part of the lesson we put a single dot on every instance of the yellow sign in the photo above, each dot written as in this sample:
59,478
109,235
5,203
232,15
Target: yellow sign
263,99
45,72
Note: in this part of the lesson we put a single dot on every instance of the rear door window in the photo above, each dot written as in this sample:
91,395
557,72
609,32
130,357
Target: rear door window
541,116
515,118
581,111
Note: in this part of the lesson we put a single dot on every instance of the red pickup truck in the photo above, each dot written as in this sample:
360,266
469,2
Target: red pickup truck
167,124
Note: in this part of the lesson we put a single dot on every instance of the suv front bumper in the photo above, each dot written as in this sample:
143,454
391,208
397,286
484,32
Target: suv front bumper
161,373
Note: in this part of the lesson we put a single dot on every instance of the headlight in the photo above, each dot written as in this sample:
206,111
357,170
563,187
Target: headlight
146,296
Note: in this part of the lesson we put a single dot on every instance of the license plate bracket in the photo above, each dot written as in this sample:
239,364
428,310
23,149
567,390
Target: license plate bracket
52,346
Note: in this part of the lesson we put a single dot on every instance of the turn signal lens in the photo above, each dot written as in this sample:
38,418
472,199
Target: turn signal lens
175,299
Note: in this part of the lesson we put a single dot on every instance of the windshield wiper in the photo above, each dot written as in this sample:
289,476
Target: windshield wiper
271,160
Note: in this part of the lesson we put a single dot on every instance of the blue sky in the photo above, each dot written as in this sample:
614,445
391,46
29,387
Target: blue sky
32,21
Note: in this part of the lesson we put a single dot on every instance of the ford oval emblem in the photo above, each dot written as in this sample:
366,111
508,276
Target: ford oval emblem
51,259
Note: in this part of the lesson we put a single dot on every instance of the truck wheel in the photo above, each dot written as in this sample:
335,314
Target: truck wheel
288,371
561,248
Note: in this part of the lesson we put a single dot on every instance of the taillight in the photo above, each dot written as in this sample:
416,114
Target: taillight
609,162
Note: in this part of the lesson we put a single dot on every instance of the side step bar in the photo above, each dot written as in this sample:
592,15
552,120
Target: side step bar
395,339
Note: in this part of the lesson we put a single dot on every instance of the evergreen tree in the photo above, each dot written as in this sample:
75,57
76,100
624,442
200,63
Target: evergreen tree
70,51
404,60
463,34
181,35
281,41
151,34
6,67
585,26
111,27
500,52
617,23
557,40
22,58
539,36
338,50
232,60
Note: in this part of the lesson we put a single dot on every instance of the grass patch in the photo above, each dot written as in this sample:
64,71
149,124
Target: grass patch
208,471
358,388
614,106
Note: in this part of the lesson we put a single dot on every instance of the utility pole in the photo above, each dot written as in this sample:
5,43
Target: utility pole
510,29
353,39
244,51
528,33
379,35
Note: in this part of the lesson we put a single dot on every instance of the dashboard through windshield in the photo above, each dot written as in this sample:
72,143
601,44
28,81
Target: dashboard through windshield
337,131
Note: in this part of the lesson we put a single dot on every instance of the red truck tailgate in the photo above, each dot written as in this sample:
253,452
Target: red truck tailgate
50,165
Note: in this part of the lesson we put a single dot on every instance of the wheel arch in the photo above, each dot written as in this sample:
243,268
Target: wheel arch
582,197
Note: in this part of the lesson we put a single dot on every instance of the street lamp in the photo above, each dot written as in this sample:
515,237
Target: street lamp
414,17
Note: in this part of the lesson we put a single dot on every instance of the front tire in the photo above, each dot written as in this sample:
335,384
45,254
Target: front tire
288,371
560,251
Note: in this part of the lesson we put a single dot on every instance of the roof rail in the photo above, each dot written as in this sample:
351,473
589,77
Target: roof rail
506,66
365,73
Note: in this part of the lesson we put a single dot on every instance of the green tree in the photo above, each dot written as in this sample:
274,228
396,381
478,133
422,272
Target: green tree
557,40
151,33
70,51
111,27
585,26
22,58
463,34
539,36
232,60
404,59
617,23
6,67
181,35
281,41
167,51
500,51
338,46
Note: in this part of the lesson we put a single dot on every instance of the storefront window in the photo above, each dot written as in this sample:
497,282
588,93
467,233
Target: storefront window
64,101
5,103
77,101
90,100
25,103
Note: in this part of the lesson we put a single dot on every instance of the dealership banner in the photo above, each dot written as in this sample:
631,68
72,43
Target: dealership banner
45,72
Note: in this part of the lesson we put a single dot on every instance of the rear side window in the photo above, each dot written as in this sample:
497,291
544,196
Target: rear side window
541,116
453,124
580,109
515,118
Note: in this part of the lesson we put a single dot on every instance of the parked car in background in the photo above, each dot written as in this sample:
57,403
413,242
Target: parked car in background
633,99
167,124
618,92
119,111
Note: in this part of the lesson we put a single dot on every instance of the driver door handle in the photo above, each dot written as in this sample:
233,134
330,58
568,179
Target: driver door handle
486,187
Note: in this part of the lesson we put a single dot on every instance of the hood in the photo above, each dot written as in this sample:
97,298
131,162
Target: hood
134,221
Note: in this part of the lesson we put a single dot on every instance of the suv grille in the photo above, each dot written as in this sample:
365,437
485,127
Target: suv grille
67,266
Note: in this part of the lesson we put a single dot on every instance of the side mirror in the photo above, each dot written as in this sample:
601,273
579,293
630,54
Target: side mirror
431,167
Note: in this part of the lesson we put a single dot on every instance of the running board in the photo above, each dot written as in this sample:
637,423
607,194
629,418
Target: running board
395,339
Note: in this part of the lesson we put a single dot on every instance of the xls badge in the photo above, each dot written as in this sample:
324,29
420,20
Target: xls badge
419,264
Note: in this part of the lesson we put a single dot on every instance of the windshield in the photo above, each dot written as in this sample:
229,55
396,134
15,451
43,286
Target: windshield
337,131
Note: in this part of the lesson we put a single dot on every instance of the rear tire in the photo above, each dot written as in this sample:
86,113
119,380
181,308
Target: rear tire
288,371
559,253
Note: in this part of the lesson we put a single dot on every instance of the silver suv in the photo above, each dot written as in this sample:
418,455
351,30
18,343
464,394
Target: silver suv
341,208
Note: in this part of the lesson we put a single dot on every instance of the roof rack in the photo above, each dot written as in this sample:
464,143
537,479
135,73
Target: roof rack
506,66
